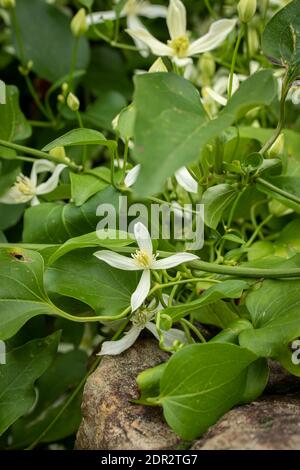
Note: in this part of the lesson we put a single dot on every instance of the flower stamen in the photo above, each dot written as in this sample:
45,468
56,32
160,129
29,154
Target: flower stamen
143,259
180,46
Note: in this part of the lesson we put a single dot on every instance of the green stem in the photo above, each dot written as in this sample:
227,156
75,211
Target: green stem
210,9
84,156
234,206
277,190
39,154
99,318
73,62
257,231
194,329
234,57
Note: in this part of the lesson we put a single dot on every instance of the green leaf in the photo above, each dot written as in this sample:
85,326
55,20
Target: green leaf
218,313
281,38
231,289
13,124
10,215
80,275
23,367
109,239
172,128
216,200
48,42
79,137
289,184
126,122
102,112
56,223
200,384
56,384
274,310
2,92
257,379
22,294
85,185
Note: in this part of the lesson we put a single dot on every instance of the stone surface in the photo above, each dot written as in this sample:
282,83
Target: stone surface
271,423
110,421
281,381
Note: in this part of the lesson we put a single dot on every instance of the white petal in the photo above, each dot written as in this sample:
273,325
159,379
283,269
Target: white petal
132,176
216,96
235,83
34,201
142,290
185,179
52,182
113,348
153,11
101,16
157,47
135,24
182,62
41,166
143,238
117,261
176,19
174,260
217,34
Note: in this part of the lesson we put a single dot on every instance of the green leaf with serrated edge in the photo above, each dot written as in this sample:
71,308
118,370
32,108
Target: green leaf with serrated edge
172,128
281,38
231,289
80,137
80,275
48,42
109,239
274,310
22,294
56,223
23,367
13,124
216,200
201,383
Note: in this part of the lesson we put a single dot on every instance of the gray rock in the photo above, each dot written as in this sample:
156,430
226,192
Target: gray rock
272,423
110,421
281,381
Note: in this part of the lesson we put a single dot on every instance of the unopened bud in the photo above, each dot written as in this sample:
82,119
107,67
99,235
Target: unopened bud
207,64
61,98
278,147
65,88
79,24
58,152
253,41
73,102
166,322
246,10
158,66
7,3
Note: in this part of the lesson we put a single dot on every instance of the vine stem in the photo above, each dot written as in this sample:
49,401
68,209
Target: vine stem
234,57
277,190
40,154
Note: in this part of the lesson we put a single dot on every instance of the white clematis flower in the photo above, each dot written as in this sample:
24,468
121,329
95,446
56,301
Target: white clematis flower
179,48
27,189
183,178
143,260
132,10
143,319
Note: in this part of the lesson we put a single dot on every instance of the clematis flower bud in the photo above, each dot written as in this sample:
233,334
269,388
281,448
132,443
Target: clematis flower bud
207,65
73,102
278,147
7,3
79,24
246,10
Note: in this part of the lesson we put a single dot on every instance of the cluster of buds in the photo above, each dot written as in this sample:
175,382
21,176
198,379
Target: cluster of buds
26,69
246,10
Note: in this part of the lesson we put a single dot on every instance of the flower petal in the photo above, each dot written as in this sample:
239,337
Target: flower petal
143,238
113,348
176,19
132,176
142,290
153,11
217,34
185,179
34,201
52,182
117,261
101,16
13,197
134,23
216,96
41,166
157,47
174,260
